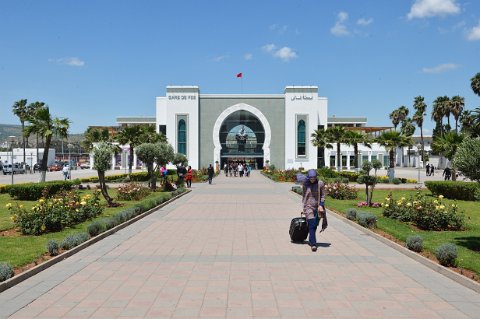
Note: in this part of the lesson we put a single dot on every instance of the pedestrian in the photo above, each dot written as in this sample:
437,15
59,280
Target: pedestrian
210,173
428,170
447,173
225,169
432,170
181,172
314,205
65,172
249,169
189,177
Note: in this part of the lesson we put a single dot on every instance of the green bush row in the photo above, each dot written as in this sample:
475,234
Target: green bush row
455,190
35,191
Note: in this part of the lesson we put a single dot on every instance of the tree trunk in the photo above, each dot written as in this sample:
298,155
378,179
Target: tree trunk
355,149
43,165
130,161
103,188
24,151
339,158
423,145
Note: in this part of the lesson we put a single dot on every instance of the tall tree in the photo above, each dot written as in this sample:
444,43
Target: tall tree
476,84
448,145
95,135
31,110
44,125
420,107
391,140
102,155
319,139
354,138
408,129
438,113
467,158
467,120
457,105
336,134
20,109
395,117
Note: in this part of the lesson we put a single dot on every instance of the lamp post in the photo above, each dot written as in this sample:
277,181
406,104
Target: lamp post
11,139
69,146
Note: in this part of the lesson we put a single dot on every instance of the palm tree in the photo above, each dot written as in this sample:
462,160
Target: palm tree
403,112
31,110
336,134
476,84
467,120
408,129
319,139
438,113
395,117
44,125
448,145
20,109
391,140
94,135
420,108
457,105
354,138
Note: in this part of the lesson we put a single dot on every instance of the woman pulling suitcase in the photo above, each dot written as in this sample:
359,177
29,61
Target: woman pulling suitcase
314,205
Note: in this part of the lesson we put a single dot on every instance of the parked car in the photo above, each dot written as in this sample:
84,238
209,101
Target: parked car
16,169
85,165
55,167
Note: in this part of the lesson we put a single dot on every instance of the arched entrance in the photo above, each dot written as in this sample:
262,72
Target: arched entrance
242,133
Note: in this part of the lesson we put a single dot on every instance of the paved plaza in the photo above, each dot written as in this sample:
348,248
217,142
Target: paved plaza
223,251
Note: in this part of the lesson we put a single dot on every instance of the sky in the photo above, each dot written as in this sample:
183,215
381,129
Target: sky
92,61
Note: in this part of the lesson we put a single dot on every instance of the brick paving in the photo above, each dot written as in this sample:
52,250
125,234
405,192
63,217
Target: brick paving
223,251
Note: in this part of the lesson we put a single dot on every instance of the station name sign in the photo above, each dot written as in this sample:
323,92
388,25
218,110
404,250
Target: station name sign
301,97
181,97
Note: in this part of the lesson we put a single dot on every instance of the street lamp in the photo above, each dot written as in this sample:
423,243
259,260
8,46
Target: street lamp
69,146
11,139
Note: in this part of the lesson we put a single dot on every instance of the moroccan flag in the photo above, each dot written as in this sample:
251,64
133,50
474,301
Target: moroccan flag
239,75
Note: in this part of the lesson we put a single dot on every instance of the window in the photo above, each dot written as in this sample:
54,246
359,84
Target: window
182,137
301,138
162,129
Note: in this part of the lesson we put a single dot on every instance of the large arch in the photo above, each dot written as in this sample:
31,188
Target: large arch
232,109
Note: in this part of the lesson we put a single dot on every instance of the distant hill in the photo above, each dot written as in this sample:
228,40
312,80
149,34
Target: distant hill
7,130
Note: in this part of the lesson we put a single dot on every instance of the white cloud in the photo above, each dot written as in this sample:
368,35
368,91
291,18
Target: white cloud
433,8
441,68
281,29
474,33
285,54
340,29
219,58
269,47
364,22
70,61
248,56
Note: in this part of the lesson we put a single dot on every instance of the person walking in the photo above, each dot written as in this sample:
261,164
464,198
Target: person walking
427,173
314,206
210,173
225,169
189,177
432,170
65,172
447,173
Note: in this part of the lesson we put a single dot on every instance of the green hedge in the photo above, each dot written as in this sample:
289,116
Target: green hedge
455,190
35,191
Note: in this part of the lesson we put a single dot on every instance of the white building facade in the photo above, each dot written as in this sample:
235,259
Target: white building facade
259,129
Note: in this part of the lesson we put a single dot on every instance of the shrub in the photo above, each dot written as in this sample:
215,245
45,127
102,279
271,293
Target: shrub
341,191
52,247
6,271
396,181
95,228
35,191
425,213
455,190
350,176
110,223
54,214
365,204
327,172
447,254
367,220
74,240
132,191
415,243
351,214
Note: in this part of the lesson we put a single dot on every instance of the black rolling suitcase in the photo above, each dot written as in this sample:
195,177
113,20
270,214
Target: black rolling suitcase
298,229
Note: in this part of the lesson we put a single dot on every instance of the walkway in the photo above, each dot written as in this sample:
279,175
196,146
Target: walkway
224,251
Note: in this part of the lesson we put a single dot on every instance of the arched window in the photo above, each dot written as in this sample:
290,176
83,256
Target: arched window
182,137
301,138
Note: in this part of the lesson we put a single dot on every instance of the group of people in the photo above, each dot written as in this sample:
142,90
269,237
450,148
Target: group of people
430,170
237,169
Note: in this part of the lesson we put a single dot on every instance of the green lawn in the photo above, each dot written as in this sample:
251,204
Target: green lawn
21,250
468,241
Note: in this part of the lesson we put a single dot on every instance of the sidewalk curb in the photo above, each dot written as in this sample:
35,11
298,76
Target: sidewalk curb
462,280
35,270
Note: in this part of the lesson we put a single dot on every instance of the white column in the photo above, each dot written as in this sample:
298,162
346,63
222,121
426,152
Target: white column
113,161
134,159
92,160
348,160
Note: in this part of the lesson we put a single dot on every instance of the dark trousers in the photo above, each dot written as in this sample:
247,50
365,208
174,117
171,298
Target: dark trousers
210,179
312,228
